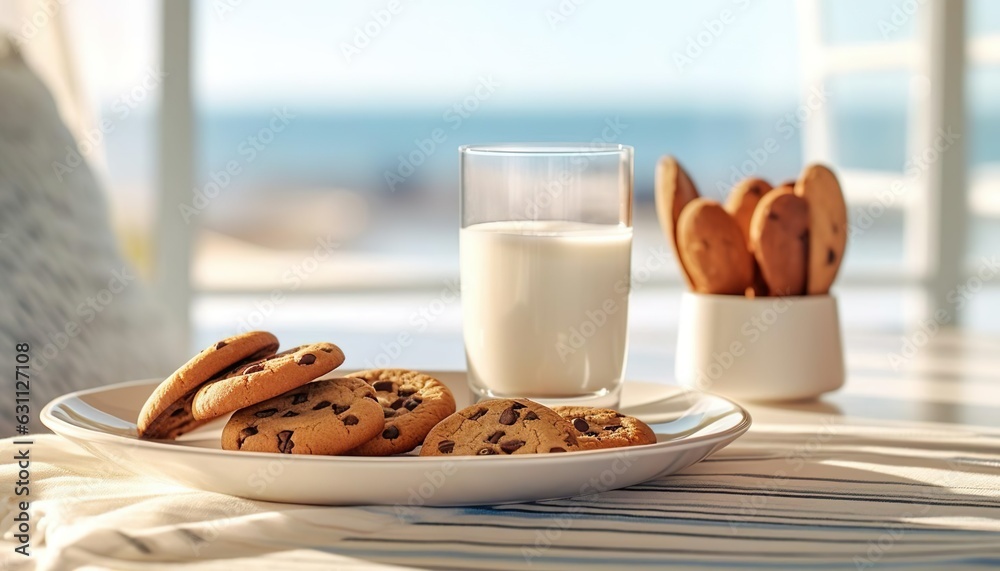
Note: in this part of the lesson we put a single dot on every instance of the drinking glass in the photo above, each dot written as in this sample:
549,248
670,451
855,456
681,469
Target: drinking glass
546,243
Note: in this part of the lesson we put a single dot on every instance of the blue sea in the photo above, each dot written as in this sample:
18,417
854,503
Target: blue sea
355,149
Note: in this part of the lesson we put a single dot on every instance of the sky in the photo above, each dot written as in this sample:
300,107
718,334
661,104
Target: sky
564,51
544,53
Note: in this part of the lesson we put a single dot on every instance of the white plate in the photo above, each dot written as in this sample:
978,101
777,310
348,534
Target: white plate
689,426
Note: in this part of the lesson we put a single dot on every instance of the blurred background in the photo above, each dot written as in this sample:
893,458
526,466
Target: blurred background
292,165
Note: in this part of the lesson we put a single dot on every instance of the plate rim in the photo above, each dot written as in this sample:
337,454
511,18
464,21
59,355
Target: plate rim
52,422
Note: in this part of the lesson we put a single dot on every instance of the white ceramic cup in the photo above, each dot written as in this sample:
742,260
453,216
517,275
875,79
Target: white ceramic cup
766,349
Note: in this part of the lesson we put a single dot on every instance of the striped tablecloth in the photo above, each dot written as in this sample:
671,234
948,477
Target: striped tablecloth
827,493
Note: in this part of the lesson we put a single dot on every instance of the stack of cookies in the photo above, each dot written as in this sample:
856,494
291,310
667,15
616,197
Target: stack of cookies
279,403
765,241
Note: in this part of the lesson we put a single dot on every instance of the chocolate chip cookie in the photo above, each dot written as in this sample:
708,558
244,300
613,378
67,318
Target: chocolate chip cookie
501,427
779,237
713,249
330,416
827,226
412,404
742,201
175,420
605,428
167,412
673,191
260,380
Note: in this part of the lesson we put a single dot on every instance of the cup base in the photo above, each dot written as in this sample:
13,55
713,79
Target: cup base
604,398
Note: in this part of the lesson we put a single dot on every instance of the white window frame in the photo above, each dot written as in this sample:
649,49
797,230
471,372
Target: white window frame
938,199
175,163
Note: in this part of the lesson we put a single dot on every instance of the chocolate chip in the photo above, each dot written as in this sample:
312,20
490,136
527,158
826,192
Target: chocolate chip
307,359
557,449
581,425
517,405
371,397
478,414
397,404
485,452
299,398
220,345
446,446
412,403
495,437
508,416
510,446
265,413
530,415
406,391
285,443
350,420
591,433
831,257
244,434
613,428
390,433
619,415
326,349
383,386
255,368
177,412
388,413
289,414
340,409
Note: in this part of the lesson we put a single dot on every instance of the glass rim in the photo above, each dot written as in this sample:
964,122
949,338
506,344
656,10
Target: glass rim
545,149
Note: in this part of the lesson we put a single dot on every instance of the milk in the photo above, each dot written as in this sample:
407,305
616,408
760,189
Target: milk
545,307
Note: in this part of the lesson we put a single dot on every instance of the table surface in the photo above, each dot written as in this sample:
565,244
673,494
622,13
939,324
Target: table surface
933,402
953,377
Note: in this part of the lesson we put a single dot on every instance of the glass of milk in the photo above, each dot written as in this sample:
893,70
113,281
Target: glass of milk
546,244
